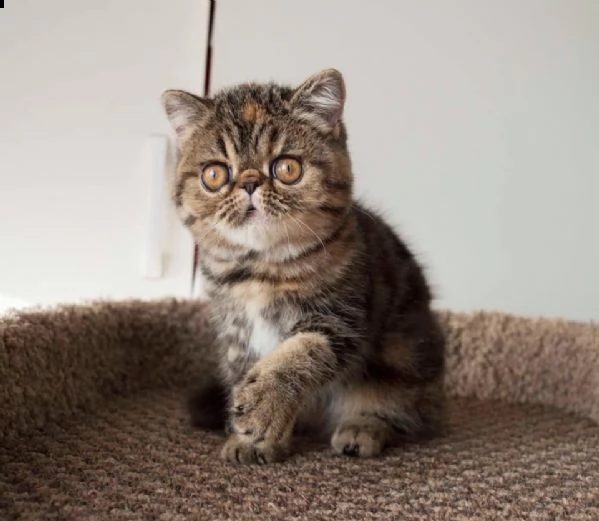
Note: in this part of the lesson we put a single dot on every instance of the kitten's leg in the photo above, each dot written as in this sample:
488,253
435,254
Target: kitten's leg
369,413
266,403
401,399
374,415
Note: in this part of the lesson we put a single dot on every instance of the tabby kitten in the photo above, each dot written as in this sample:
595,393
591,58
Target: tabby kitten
322,312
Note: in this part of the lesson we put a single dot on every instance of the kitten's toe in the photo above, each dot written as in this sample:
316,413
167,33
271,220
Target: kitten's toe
239,450
236,450
362,439
270,453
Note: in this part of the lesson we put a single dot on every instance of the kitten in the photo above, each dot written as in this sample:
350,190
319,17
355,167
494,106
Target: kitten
322,312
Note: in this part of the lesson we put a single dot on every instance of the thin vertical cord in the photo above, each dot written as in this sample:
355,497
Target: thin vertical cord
207,72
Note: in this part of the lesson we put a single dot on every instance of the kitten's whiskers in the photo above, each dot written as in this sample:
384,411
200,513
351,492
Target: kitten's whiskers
302,223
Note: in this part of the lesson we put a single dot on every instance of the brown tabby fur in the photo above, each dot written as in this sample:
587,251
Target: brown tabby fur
323,313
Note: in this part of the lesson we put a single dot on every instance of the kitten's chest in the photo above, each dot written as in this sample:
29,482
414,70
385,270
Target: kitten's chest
252,321
264,336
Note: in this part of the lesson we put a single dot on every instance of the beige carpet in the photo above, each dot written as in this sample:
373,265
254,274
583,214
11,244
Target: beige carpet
92,426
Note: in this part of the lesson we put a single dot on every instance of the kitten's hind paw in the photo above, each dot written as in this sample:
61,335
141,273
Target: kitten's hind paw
361,437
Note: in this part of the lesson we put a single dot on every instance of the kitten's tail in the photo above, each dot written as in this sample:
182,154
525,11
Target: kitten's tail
207,406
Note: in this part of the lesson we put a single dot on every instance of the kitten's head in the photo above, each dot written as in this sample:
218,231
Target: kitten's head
261,165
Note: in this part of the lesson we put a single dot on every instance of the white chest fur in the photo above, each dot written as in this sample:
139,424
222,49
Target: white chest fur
263,336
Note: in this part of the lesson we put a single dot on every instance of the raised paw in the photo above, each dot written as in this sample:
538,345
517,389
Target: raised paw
363,437
262,410
239,450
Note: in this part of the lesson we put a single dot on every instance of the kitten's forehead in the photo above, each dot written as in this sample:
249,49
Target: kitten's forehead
252,102
252,120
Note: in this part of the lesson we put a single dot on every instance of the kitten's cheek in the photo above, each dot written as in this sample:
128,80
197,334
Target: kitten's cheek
261,217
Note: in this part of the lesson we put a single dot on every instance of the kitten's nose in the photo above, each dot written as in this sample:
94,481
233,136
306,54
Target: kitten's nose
250,186
249,179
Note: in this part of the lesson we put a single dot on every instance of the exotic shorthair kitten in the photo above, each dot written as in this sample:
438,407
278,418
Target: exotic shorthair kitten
323,314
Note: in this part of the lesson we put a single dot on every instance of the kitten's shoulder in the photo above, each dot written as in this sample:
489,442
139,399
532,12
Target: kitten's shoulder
376,227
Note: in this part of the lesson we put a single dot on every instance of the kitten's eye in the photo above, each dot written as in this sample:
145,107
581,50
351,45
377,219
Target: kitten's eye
215,176
288,170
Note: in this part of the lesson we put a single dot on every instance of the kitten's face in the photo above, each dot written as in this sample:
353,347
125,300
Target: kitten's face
263,166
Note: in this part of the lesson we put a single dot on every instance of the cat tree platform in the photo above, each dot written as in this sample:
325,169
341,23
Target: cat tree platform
93,427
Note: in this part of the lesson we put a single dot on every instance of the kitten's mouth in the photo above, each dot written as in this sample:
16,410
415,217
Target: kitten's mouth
250,212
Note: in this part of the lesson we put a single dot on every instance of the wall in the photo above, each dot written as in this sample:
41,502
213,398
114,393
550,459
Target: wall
79,96
473,125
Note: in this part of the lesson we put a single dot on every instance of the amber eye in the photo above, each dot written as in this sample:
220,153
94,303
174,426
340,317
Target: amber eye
288,170
215,176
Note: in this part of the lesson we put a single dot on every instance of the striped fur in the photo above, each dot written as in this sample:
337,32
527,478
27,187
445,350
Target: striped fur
323,313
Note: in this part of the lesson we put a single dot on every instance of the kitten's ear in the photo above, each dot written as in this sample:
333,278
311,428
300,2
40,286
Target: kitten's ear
320,99
185,111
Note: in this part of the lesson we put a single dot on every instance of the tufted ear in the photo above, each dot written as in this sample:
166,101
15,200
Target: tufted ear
185,111
320,100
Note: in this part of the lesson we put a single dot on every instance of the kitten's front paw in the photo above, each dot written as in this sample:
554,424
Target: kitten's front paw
239,450
262,410
364,438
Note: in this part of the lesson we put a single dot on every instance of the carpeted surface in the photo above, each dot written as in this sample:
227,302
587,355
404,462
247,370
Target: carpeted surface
92,427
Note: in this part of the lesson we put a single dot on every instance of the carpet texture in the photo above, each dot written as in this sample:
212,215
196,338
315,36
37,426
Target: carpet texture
92,426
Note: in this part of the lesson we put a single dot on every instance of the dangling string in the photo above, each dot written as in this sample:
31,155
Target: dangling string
207,71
